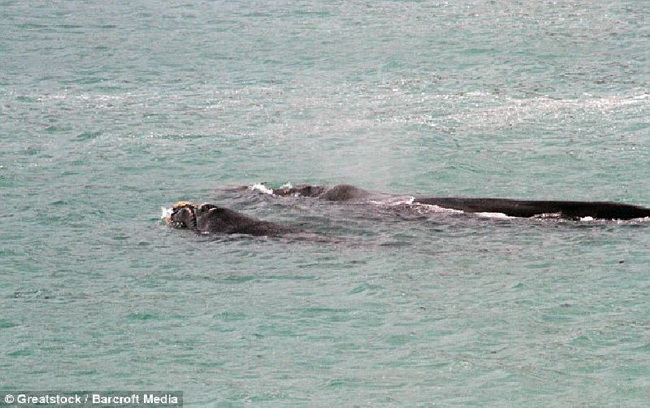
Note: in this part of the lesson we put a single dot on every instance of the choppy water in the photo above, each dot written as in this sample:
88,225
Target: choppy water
110,110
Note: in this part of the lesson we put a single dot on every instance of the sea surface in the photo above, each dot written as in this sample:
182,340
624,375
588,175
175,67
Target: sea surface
110,110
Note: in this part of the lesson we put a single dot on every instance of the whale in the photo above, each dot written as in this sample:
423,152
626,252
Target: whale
511,207
212,219
535,208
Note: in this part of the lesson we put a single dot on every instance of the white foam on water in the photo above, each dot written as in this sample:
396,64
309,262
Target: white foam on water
494,215
434,209
548,215
394,201
260,188
166,213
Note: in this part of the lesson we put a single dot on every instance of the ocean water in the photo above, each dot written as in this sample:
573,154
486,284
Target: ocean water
110,110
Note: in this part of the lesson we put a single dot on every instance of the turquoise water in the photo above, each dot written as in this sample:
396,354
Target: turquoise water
110,110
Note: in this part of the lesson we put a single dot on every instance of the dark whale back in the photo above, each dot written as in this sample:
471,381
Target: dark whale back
220,220
345,192
527,208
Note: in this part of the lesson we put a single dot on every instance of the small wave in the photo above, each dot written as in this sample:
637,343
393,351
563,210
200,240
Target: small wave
434,209
632,221
261,188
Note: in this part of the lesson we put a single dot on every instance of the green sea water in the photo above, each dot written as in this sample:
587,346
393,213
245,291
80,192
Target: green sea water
110,110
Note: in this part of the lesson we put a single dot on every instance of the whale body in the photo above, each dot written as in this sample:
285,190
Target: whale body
532,208
509,207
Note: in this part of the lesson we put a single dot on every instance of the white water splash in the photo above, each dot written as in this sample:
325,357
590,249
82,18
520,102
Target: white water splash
261,188
393,200
494,215
434,209
166,213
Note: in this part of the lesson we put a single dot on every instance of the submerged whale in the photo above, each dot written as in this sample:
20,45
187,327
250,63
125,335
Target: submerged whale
340,192
211,219
509,207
